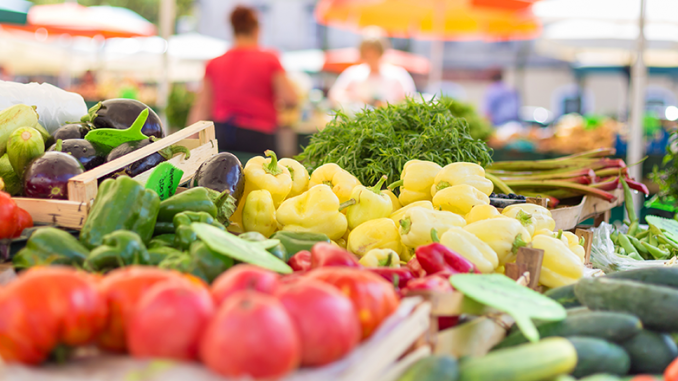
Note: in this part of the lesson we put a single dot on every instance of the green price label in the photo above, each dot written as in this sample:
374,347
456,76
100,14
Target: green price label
164,180
109,138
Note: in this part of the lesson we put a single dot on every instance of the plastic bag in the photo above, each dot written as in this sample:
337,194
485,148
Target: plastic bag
603,255
54,105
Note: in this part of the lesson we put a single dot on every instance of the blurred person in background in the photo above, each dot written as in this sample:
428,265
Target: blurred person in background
87,87
4,75
502,102
373,82
241,90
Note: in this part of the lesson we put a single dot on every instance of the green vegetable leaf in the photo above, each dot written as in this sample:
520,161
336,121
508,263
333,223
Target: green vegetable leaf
230,245
109,138
504,294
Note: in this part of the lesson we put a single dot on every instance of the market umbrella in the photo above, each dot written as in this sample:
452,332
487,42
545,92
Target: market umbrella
77,20
14,11
438,20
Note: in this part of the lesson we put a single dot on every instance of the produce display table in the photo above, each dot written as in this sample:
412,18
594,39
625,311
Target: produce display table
567,218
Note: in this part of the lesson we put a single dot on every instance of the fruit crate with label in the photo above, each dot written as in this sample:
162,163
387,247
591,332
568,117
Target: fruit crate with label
82,189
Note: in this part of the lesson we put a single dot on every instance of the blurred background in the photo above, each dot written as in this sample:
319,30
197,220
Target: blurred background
535,78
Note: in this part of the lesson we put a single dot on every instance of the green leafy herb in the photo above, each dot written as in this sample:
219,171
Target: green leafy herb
478,127
667,177
379,142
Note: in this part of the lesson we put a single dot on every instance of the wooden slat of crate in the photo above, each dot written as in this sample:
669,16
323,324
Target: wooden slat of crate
190,165
83,188
69,214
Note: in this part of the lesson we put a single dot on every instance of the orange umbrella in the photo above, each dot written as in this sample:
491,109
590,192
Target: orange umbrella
77,20
435,19
337,60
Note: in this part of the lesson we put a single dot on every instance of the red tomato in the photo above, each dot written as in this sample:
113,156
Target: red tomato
47,306
122,289
671,371
251,335
24,220
179,307
326,320
430,283
9,213
645,377
243,277
373,297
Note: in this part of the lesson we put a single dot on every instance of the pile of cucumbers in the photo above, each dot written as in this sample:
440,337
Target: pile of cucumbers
617,326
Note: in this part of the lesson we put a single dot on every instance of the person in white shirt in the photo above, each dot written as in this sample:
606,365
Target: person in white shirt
373,82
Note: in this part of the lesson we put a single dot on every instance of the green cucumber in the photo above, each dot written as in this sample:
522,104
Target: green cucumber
577,310
432,368
660,276
564,295
655,306
650,352
542,360
611,326
599,356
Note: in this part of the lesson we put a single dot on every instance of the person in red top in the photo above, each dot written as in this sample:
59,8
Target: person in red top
242,90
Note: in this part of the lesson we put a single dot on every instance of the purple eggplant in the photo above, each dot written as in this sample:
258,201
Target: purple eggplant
121,113
47,176
71,131
221,172
150,161
88,154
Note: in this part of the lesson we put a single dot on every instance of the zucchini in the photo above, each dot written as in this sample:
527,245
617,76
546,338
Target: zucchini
660,276
611,326
599,356
650,352
432,368
655,306
564,295
542,360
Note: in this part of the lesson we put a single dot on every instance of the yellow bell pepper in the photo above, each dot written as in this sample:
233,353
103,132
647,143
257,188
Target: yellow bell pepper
395,203
481,212
340,181
368,204
500,270
398,214
459,199
472,248
534,217
416,225
504,235
573,243
299,176
462,173
316,211
560,266
381,233
380,258
416,180
262,173
259,213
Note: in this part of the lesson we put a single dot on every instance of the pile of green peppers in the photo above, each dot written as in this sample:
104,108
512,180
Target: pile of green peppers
129,225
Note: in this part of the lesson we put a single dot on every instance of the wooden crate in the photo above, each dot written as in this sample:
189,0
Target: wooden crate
374,359
569,217
82,189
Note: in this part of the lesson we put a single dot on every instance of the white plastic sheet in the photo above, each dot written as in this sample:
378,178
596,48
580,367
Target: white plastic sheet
54,105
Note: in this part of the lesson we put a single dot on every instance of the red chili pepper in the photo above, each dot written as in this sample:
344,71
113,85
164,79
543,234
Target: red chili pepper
9,213
416,268
429,283
635,185
300,261
445,322
24,220
398,276
435,258
325,254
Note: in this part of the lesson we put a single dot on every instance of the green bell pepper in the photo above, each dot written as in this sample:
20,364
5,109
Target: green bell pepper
120,248
51,246
200,261
159,253
162,228
121,204
218,205
295,242
278,249
183,231
162,240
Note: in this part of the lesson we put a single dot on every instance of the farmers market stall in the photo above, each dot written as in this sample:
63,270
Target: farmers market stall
394,237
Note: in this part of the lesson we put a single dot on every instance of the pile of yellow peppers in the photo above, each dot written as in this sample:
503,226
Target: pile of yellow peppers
448,203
